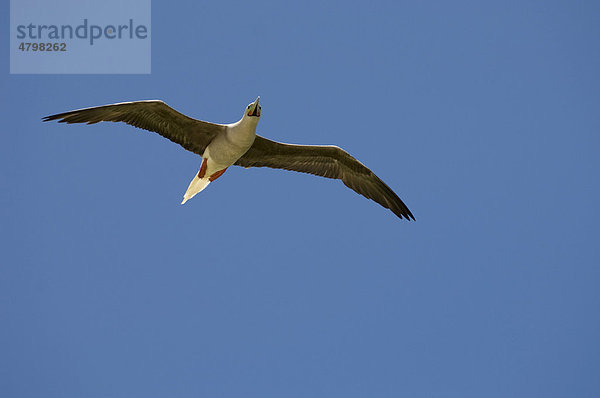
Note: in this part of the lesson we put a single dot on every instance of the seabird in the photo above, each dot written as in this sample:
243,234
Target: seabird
223,145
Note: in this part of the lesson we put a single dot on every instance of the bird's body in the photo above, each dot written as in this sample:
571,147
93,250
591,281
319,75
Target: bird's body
223,151
224,145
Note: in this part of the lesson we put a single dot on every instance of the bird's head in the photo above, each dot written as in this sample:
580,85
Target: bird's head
253,109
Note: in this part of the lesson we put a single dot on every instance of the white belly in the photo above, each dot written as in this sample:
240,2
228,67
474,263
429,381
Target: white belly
225,149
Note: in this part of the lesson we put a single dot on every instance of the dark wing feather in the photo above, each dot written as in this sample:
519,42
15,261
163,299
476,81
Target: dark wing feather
325,161
154,115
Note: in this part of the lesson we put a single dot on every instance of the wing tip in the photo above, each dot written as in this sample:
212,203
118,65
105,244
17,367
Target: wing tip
404,213
407,213
56,117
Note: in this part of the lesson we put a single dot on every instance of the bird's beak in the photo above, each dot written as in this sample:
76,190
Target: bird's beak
254,108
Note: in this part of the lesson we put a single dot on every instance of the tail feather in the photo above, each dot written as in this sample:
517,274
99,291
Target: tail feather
197,185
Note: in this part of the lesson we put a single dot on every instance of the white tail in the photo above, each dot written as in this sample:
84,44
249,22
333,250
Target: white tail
197,185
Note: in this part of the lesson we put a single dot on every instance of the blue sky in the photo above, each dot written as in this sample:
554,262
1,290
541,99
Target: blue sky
482,116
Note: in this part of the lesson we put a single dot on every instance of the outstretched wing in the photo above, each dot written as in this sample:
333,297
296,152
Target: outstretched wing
325,161
153,115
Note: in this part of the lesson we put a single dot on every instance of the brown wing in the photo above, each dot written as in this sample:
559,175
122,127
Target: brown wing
324,161
154,115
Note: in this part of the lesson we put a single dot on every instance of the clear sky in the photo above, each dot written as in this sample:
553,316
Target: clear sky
484,118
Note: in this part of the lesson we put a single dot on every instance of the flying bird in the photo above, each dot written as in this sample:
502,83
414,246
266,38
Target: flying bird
224,145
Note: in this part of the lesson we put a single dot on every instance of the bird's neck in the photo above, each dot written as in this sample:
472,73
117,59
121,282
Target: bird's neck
243,131
246,123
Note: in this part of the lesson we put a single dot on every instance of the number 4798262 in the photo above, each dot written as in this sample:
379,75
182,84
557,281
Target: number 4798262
43,46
